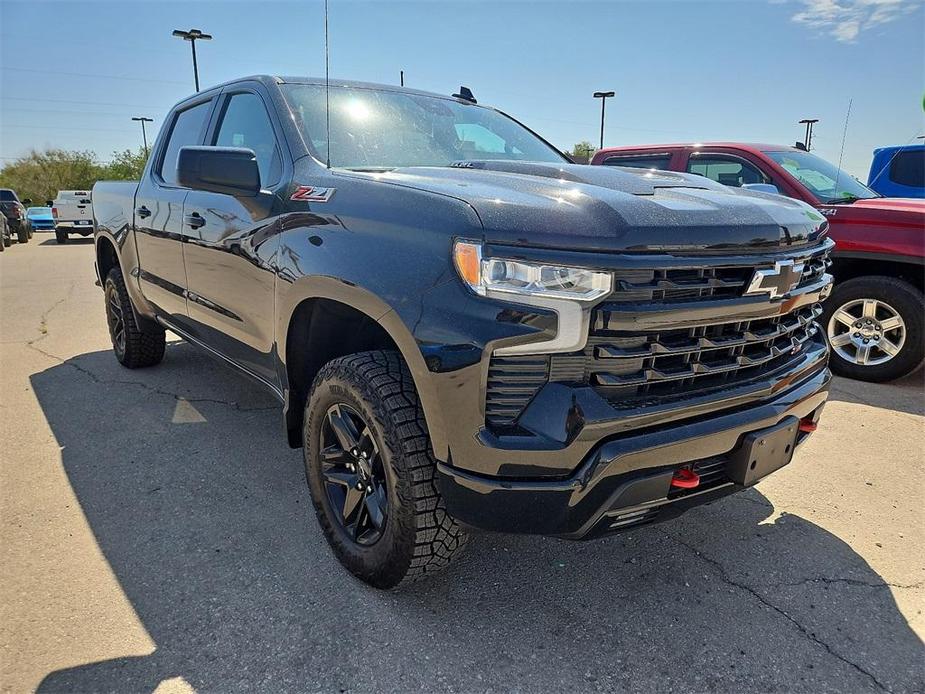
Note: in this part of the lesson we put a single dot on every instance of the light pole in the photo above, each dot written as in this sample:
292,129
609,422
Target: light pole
144,135
192,36
808,140
603,96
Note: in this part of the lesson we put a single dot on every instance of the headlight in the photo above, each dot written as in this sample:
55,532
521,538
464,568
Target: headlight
484,275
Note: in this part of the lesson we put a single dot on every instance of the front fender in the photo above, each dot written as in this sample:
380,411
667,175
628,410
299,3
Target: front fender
363,300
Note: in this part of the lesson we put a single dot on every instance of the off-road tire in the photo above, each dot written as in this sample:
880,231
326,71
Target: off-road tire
907,300
142,347
60,236
419,537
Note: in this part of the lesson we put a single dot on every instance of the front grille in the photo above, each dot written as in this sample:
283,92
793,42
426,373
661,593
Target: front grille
627,367
680,284
639,355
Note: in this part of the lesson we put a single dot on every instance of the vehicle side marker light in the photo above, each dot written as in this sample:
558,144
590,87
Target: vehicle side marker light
685,478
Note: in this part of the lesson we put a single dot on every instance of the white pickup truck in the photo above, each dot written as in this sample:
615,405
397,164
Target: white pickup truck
73,214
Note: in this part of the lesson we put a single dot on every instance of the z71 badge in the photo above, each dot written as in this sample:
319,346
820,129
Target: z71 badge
312,194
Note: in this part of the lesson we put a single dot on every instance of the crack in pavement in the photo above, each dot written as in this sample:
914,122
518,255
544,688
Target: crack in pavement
43,329
43,319
140,384
726,578
849,582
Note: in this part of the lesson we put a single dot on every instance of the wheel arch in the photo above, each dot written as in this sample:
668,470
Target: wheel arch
321,319
847,267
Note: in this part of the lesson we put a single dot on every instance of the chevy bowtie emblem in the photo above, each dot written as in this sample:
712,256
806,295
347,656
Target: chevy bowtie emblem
777,281
312,194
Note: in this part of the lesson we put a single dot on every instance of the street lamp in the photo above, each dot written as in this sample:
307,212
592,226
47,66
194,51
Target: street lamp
603,96
192,36
144,135
808,140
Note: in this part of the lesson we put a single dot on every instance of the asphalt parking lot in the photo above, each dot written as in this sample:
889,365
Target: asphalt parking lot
156,535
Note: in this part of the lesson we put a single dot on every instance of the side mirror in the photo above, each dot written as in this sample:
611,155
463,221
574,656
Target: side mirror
228,170
27,202
763,188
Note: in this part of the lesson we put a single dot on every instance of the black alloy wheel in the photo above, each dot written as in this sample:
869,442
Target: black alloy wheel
115,318
354,475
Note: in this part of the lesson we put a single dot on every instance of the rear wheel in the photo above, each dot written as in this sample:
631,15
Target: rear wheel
22,234
133,347
60,236
876,328
370,471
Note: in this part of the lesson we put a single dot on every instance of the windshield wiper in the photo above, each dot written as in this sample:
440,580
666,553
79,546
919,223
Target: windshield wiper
841,201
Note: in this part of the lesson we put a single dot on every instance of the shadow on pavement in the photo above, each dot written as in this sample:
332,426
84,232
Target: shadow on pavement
73,240
202,513
904,395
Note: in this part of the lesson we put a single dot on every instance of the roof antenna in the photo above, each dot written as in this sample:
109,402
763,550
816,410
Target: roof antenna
327,86
466,94
844,136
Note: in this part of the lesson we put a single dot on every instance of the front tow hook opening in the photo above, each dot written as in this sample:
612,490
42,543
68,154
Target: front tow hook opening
685,478
807,425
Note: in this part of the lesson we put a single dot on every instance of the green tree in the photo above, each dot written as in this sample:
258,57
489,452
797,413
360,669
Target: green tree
125,165
38,176
583,151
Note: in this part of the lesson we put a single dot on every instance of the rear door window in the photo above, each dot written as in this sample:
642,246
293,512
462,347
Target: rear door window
908,168
187,129
661,162
730,171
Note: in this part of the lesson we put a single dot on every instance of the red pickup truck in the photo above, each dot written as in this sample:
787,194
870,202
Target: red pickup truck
875,318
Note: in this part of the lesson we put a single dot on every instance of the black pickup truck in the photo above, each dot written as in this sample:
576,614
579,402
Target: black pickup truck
464,328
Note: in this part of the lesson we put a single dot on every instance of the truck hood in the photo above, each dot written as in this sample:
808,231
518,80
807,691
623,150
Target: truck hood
600,208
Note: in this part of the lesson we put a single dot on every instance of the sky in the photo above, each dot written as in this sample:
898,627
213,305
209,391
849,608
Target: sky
72,74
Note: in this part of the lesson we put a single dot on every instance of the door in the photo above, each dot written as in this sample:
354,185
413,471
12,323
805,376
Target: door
159,217
230,278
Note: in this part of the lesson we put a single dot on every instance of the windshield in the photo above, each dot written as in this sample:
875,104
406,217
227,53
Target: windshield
39,210
825,181
382,129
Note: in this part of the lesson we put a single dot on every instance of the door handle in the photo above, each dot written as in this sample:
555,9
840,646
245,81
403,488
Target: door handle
143,212
194,220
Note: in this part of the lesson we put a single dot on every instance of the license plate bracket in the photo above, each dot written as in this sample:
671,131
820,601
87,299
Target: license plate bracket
762,452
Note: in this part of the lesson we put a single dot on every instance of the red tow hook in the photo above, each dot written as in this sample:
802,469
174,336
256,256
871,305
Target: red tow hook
807,425
685,478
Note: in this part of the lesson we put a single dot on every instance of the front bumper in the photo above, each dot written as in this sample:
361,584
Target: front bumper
624,481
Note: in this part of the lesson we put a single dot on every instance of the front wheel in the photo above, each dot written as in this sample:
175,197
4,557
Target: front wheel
22,234
134,348
370,471
876,328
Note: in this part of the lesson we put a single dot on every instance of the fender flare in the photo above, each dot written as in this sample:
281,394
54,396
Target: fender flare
360,299
143,320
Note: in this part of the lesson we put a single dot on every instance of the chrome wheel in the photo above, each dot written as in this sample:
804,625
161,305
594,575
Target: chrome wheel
354,475
866,332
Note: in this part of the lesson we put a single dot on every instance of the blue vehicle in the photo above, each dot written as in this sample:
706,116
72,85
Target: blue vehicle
40,219
898,172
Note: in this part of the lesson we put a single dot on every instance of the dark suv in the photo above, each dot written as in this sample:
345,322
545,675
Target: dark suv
465,329
15,213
